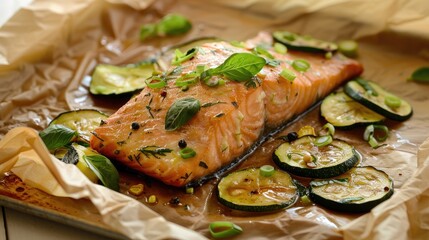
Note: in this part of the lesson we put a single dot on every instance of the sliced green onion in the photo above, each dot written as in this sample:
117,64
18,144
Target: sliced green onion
330,128
372,141
261,50
348,47
372,137
187,152
181,57
392,101
421,75
369,130
300,65
323,141
280,48
381,136
236,43
187,79
266,170
155,82
190,190
288,74
224,229
328,55
305,199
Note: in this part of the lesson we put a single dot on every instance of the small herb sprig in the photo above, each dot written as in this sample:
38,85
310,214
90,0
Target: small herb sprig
154,151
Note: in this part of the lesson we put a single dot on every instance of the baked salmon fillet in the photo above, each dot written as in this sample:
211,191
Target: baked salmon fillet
231,118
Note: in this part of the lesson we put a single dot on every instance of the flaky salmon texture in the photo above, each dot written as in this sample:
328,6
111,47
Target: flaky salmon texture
231,120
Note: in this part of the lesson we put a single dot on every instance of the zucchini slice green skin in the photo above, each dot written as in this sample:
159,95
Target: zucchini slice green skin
329,161
110,79
84,121
358,90
358,190
342,111
303,43
247,190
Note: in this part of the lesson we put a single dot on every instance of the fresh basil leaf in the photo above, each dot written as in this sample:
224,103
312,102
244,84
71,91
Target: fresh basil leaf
421,75
56,136
104,169
173,24
238,67
181,112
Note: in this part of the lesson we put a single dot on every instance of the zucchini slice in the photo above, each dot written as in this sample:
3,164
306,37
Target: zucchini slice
304,158
84,121
249,190
342,111
303,43
378,99
358,190
110,79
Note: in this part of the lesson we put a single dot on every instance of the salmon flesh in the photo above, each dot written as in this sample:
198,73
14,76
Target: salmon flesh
231,119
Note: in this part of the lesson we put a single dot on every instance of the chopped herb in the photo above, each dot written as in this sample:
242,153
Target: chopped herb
219,115
235,104
203,165
154,151
209,104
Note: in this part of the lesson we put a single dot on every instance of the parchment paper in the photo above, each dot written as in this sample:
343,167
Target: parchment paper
48,48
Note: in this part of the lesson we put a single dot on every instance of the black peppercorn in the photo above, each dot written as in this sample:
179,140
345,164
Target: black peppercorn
175,201
135,125
292,136
182,143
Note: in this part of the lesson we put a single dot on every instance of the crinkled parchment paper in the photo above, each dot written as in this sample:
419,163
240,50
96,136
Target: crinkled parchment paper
48,48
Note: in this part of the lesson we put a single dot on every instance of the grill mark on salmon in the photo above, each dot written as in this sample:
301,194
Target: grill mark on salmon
222,132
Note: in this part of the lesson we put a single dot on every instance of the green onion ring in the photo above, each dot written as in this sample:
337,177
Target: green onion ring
330,128
180,57
266,170
392,101
155,82
372,141
288,74
187,152
300,65
323,140
227,229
